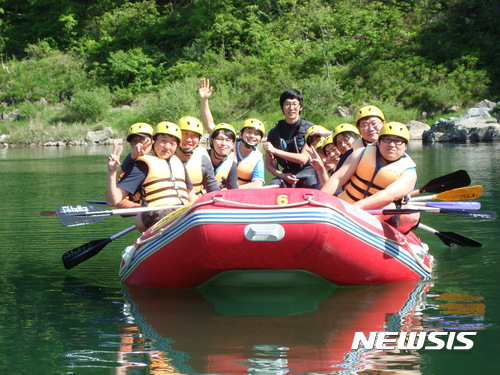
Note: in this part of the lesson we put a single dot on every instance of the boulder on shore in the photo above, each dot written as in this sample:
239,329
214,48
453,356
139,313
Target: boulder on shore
476,125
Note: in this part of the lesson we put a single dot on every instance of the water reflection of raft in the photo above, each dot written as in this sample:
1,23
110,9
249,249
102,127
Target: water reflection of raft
299,329
274,229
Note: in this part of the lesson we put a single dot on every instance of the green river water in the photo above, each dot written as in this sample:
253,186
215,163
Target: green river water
83,321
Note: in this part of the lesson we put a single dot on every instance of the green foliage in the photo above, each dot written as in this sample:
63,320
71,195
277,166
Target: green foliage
412,55
327,96
28,111
122,96
40,50
53,77
173,101
88,105
132,69
495,112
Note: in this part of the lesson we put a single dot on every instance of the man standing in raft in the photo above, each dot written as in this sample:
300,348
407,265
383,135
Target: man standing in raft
286,146
161,178
379,175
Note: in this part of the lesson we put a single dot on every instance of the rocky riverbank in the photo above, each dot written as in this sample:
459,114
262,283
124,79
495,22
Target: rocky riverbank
476,125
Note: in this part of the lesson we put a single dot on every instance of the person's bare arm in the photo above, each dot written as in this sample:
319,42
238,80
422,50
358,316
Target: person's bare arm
395,191
272,167
344,174
114,194
256,184
298,158
205,91
318,165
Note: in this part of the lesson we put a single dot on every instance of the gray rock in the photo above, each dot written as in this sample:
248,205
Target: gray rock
344,112
100,136
474,112
416,129
486,104
463,129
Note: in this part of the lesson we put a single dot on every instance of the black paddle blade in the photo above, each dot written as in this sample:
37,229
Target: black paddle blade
72,216
452,180
81,253
455,239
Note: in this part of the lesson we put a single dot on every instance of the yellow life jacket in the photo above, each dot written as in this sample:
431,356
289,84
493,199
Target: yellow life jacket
165,184
222,170
194,167
368,179
246,167
358,143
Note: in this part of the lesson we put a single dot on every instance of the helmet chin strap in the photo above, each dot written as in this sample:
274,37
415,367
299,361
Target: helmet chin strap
186,151
247,145
216,154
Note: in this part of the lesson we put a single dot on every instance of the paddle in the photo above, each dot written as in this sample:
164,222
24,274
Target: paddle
95,202
449,205
470,192
452,180
81,253
466,213
452,238
71,216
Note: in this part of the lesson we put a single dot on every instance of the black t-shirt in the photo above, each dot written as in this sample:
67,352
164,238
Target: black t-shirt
290,138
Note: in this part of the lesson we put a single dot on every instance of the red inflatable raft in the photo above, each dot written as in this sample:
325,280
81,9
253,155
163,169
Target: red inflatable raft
273,229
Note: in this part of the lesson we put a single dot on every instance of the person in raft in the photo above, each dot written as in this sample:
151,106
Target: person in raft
248,159
379,176
286,146
343,137
315,137
369,120
221,155
194,158
324,158
140,139
161,178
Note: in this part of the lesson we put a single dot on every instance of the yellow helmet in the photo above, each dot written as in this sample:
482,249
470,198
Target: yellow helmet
320,144
192,124
327,141
139,128
225,126
395,128
342,128
314,129
369,110
169,128
254,124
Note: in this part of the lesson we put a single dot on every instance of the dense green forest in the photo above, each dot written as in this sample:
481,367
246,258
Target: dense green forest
68,65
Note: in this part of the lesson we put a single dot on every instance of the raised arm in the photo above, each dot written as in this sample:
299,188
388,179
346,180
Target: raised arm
114,194
318,165
205,91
